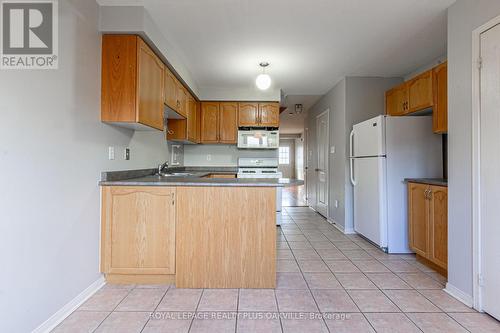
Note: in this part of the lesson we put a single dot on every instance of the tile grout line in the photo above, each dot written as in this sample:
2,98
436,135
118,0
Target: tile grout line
112,311
156,307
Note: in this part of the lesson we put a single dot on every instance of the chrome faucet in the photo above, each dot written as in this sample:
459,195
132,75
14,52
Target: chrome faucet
161,167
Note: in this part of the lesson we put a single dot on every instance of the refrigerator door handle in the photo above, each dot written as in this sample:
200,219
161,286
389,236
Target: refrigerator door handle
351,144
351,171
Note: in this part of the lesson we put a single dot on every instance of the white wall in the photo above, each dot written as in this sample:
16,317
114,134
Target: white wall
463,17
221,155
53,148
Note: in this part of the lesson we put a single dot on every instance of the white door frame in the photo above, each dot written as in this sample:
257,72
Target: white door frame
476,163
327,160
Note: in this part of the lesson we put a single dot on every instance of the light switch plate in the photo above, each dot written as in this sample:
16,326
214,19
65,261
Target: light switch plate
332,150
126,154
111,153
209,157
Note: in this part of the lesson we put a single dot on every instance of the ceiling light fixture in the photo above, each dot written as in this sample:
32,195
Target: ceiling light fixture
263,81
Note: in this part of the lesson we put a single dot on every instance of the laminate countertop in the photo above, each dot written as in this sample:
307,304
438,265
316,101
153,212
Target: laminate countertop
429,181
197,177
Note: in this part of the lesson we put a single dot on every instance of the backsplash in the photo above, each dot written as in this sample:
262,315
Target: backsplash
221,155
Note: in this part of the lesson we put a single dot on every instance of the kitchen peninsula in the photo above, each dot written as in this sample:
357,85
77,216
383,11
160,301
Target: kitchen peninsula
189,228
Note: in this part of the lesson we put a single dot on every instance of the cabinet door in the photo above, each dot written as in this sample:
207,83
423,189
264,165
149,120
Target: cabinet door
119,78
248,114
418,218
440,110
396,101
170,89
209,122
181,100
438,226
150,87
191,119
138,230
228,122
269,114
420,92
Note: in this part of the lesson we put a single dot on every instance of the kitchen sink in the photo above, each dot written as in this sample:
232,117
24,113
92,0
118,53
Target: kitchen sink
176,174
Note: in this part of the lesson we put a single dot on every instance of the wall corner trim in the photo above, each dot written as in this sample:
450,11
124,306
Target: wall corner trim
71,306
458,294
348,231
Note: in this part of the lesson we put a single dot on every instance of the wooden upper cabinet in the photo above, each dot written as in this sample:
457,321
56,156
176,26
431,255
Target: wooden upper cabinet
132,82
440,110
269,114
420,92
192,119
438,225
228,122
182,100
138,230
150,87
248,114
418,212
209,130
170,89
396,101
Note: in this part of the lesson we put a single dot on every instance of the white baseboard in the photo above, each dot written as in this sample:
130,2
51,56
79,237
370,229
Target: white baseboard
348,231
459,295
71,306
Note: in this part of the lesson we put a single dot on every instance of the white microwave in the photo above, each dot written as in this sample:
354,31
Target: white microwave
258,139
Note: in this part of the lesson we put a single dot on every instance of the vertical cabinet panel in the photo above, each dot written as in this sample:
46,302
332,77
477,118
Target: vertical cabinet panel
269,114
138,230
192,119
119,78
150,87
170,87
209,122
418,210
248,114
228,122
439,226
420,92
440,110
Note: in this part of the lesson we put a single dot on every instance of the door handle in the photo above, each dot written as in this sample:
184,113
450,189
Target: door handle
351,171
351,144
317,170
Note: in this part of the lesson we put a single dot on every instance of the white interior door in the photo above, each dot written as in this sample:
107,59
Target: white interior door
322,168
490,170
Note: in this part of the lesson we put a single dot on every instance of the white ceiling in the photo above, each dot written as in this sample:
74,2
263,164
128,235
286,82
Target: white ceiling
310,44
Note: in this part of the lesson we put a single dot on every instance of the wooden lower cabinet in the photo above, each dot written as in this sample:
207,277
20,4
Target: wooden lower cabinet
226,237
438,226
428,222
418,209
138,233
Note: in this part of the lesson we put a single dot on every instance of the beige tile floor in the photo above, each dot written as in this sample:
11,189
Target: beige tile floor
326,282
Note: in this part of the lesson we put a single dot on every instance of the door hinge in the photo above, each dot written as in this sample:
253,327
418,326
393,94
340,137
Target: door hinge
479,63
480,280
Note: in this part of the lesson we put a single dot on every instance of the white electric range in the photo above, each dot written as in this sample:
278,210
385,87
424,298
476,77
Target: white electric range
262,168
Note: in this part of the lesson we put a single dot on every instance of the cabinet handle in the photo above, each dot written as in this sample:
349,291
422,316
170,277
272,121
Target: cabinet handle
170,132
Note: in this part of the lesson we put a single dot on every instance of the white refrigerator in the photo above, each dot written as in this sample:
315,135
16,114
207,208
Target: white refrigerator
383,152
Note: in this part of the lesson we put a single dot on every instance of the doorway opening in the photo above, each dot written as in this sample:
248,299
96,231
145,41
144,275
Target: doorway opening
291,164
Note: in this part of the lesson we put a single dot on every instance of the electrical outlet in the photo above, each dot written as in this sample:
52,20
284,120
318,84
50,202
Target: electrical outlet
111,153
126,154
209,157
336,203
